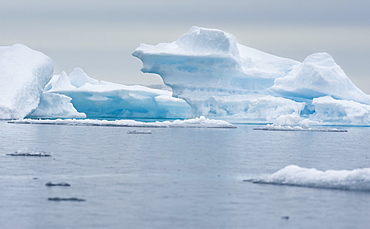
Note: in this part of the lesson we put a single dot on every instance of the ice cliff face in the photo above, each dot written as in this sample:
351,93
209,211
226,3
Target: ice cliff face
90,98
23,76
220,78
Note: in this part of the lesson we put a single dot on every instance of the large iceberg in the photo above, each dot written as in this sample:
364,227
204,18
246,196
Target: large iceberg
220,78
80,96
23,76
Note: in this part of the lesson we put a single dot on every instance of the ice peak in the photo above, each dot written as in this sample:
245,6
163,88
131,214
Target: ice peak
205,40
322,59
79,78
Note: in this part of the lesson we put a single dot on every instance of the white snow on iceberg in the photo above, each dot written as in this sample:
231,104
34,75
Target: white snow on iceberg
358,179
294,122
108,100
318,76
331,111
23,76
200,122
222,79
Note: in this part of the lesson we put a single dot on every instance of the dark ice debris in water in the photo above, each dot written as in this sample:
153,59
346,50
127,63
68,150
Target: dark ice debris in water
74,199
63,184
33,154
139,132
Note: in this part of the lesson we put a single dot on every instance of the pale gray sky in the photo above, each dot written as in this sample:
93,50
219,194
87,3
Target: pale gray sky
99,36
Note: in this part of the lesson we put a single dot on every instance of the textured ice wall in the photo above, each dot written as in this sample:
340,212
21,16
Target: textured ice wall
23,76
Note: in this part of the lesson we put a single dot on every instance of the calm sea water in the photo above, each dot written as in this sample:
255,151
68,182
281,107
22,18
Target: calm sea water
175,178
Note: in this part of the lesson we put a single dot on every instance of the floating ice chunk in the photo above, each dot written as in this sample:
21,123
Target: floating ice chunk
357,179
200,122
62,184
269,127
73,199
23,76
54,105
139,132
27,153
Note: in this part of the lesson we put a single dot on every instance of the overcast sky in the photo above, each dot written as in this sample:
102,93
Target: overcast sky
99,36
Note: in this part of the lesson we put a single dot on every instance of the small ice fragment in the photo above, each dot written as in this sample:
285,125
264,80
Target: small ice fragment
25,153
139,132
50,184
75,199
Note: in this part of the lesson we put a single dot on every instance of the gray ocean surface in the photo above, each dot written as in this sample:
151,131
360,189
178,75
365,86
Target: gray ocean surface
176,178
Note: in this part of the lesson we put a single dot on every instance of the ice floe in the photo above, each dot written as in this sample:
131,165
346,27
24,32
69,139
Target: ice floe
357,179
200,122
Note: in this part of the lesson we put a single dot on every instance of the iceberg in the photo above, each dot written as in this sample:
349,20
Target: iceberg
200,122
220,78
357,179
23,76
80,96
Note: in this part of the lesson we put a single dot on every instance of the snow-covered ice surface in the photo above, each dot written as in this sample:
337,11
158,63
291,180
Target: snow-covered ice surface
318,76
95,99
23,76
295,123
220,78
200,122
357,179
